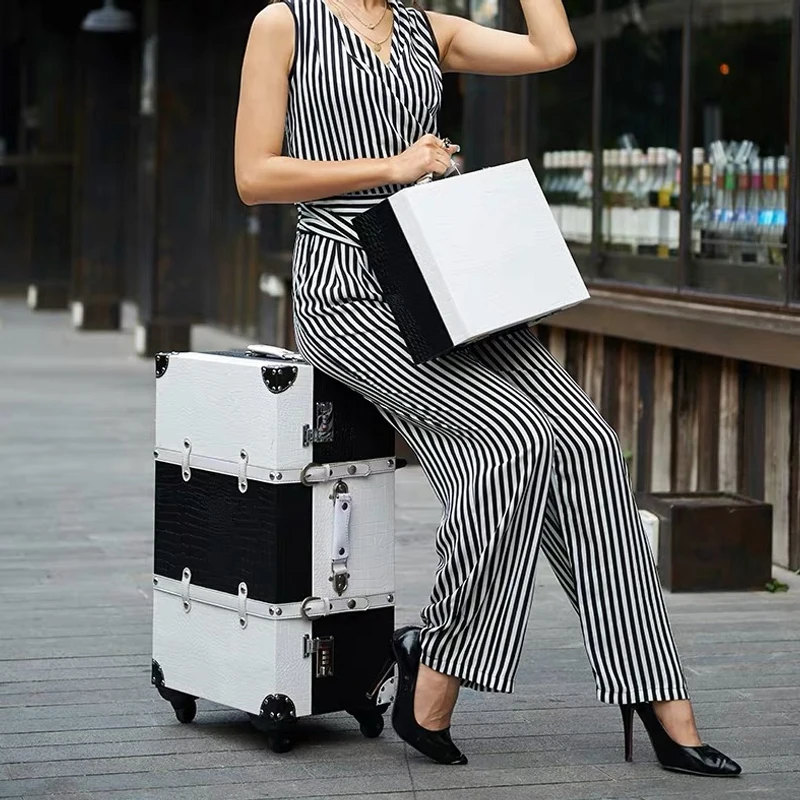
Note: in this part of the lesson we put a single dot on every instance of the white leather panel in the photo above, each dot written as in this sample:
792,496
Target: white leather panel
206,653
222,406
489,249
371,560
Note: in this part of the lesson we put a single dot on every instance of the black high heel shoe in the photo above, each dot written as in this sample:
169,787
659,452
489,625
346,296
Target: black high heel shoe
435,744
704,760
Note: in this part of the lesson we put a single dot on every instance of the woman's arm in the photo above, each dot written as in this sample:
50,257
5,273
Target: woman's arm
467,47
263,175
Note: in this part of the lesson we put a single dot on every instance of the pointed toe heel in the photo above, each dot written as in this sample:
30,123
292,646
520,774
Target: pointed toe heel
703,760
436,745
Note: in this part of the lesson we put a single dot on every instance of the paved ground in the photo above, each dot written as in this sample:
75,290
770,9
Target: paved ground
79,719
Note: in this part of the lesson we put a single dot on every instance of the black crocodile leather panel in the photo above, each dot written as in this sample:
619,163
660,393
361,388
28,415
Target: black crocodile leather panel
361,645
404,289
262,537
360,432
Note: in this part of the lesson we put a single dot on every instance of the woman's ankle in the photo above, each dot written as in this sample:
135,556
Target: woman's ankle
434,698
677,719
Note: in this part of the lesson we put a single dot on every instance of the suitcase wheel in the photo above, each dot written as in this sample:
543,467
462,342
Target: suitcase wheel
370,721
185,711
279,743
373,728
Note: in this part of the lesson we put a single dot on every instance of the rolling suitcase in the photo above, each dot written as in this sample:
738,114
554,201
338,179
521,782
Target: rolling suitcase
273,586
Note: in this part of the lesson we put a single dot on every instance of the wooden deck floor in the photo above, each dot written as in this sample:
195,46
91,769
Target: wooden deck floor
80,721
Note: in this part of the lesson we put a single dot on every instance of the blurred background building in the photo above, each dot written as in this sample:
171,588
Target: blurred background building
669,150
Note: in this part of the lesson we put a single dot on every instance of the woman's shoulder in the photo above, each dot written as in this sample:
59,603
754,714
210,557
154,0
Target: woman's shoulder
276,17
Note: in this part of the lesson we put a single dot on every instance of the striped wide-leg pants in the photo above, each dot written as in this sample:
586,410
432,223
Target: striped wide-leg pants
521,461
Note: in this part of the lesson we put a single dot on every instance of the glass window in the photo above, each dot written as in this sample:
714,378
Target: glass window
641,158
562,110
741,165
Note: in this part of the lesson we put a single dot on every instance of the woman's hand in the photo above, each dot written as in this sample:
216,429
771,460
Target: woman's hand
428,155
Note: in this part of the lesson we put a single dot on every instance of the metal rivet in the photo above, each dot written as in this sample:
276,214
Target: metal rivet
331,578
272,476
391,462
351,603
243,454
344,506
186,443
272,612
279,476
242,589
186,605
155,453
352,469
390,598
243,622
341,551
155,581
278,612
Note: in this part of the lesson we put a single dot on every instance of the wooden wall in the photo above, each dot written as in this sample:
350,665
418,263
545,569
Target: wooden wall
695,422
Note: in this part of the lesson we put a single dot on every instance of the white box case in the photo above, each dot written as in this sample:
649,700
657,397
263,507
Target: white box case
274,540
463,258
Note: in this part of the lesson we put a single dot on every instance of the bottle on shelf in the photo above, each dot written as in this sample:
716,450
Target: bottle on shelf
738,201
777,238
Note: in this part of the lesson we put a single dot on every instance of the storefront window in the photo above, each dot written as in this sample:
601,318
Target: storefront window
641,158
563,113
741,172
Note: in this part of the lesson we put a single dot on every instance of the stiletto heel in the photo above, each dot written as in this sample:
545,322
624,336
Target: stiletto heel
386,672
627,726
703,760
437,745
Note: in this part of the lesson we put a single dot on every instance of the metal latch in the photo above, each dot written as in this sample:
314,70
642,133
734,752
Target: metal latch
340,540
322,648
322,431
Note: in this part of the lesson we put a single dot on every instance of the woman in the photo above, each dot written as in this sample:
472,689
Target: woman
515,451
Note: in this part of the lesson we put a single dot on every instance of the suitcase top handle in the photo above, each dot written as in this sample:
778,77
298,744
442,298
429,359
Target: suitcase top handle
268,351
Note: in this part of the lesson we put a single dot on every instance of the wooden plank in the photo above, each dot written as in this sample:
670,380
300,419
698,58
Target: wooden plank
760,336
728,450
575,361
593,369
557,345
751,431
628,404
610,395
794,477
685,464
777,453
663,396
644,432
708,394
543,334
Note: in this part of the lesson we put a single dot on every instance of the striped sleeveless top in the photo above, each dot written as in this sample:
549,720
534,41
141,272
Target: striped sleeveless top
345,103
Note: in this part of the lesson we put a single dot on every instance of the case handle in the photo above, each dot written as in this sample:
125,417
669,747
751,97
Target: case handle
268,351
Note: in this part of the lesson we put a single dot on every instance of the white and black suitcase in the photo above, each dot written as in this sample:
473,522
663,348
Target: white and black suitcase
274,541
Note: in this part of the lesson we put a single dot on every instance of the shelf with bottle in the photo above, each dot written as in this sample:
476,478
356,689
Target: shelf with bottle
738,201
739,204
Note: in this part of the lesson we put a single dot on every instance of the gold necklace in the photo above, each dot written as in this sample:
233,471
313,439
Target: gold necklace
370,26
377,45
